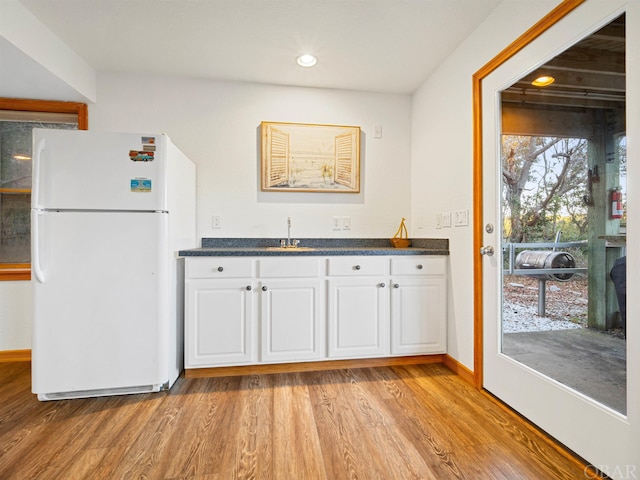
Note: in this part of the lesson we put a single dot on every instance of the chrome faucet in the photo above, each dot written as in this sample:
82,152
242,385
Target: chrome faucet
288,243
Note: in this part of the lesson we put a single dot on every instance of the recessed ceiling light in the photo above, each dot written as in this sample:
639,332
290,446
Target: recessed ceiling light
306,60
543,81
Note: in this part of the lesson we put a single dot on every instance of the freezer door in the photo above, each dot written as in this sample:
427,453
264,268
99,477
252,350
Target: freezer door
76,169
101,301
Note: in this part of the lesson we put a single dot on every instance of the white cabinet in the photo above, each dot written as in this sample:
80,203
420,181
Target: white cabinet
418,305
358,317
358,307
218,312
273,311
247,310
292,316
291,320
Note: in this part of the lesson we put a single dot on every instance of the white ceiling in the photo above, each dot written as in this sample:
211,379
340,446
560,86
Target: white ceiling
369,45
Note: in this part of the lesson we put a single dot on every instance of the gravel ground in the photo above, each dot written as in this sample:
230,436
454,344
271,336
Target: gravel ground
566,305
524,318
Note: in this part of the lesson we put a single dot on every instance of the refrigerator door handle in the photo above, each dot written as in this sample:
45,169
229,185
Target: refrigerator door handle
37,162
35,261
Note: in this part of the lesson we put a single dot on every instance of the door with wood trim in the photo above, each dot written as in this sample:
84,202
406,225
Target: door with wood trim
583,424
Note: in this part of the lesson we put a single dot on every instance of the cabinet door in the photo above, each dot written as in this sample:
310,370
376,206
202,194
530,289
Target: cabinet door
218,317
358,317
292,320
418,315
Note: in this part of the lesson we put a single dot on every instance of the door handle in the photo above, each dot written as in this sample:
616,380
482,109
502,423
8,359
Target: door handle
488,251
36,164
35,238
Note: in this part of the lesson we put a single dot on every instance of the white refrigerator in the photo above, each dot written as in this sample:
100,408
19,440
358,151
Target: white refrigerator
109,213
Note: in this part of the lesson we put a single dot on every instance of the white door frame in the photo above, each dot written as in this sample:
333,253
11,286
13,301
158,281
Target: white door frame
606,438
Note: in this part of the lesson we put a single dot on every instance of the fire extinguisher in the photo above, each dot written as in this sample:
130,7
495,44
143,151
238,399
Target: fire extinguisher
616,203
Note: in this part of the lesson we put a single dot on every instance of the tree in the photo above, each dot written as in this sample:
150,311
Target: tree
542,177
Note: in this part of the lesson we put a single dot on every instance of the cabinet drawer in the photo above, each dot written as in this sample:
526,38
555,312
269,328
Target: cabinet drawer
219,267
418,265
358,265
289,267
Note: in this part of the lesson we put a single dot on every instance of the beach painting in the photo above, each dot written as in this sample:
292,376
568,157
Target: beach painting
300,157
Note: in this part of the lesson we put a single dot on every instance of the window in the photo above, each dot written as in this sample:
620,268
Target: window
17,119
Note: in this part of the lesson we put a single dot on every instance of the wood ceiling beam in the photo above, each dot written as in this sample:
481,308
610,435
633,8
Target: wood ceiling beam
588,60
577,81
537,97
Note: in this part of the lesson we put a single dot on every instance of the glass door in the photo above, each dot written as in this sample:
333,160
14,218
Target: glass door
554,234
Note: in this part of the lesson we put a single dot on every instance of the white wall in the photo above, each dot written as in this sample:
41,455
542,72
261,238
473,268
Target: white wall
15,315
442,154
38,64
216,124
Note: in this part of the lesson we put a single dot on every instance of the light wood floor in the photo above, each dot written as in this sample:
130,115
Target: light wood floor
410,422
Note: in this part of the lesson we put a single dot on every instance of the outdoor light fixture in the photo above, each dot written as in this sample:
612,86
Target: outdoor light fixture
543,81
306,60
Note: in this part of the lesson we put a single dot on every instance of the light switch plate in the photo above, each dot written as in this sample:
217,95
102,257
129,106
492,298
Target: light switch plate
446,219
461,218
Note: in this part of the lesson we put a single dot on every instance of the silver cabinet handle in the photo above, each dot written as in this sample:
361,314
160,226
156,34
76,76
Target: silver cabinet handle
382,285
249,287
488,251
264,288
395,285
356,267
419,267
220,269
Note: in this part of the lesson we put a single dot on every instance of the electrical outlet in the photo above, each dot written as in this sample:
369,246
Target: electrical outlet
346,223
336,223
418,221
216,222
461,218
438,220
446,219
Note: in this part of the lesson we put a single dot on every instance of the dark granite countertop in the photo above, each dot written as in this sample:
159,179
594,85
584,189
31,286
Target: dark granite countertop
247,247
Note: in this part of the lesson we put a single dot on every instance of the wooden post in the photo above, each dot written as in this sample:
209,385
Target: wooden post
602,158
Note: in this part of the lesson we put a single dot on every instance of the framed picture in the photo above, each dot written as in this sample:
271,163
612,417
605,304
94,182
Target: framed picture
299,157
